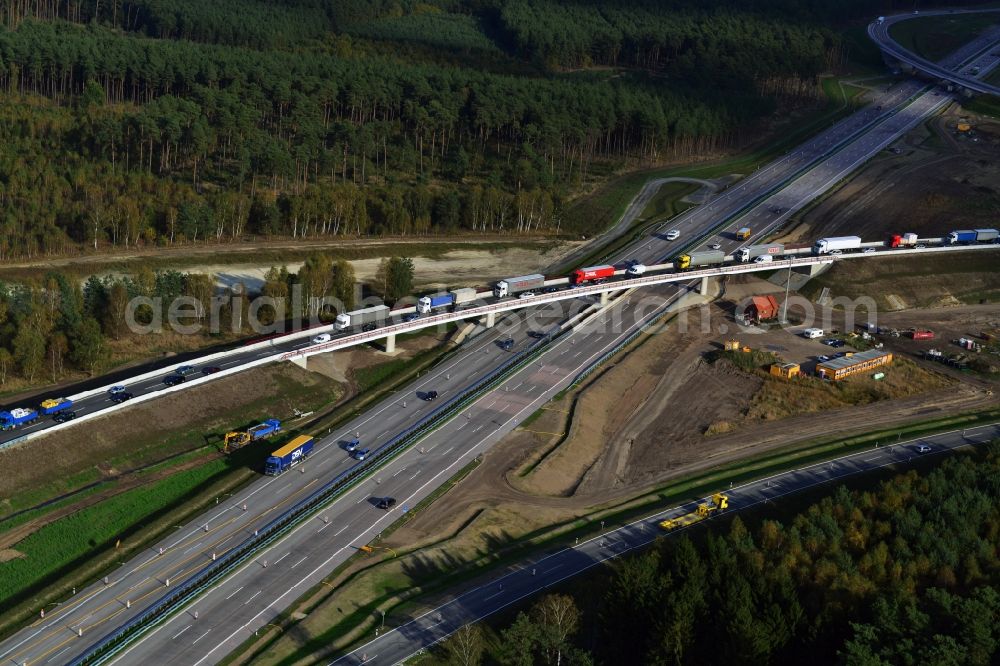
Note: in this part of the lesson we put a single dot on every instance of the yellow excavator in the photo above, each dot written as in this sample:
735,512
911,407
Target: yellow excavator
719,502
236,440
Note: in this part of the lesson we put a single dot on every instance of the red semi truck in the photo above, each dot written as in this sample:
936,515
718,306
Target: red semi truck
591,273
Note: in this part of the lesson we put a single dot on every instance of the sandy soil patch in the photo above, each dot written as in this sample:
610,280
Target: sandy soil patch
455,268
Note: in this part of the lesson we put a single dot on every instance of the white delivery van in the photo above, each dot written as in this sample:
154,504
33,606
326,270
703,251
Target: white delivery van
813,333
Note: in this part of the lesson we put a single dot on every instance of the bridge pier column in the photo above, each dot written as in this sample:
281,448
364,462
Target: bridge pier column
604,298
491,319
390,343
705,288
301,361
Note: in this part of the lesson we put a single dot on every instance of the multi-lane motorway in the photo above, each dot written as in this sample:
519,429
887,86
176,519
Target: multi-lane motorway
256,593
807,171
531,577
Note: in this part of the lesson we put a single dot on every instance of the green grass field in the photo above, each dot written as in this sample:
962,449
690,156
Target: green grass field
986,105
73,539
935,37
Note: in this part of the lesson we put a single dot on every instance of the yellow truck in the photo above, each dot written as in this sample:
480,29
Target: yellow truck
743,233
719,502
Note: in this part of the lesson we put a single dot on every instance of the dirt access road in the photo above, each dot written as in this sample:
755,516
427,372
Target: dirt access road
642,423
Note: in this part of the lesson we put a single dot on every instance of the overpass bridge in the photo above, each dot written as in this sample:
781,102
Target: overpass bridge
964,75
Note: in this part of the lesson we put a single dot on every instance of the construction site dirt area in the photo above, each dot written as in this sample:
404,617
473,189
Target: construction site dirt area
942,178
666,409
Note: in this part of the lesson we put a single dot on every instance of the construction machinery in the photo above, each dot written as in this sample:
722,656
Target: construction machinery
719,502
236,440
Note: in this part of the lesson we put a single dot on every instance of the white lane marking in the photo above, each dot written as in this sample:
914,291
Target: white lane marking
323,528
399,472
53,658
495,594
300,562
449,450
255,595
283,557
361,499
191,548
464,423
180,632
200,637
237,591
478,428
139,583
415,475
334,534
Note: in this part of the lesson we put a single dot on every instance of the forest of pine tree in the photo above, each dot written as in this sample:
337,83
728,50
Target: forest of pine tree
130,123
905,573
148,123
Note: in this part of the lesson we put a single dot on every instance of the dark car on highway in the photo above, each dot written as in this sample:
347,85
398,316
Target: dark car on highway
62,417
506,344
370,326
210,370
121,397
173,380
386,503
429,395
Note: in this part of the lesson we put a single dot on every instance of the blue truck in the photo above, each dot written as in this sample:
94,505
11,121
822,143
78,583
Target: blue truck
53,405
454,297
265,429
289,455
17,416
973,236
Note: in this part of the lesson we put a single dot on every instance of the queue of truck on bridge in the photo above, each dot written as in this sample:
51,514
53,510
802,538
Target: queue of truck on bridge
371,318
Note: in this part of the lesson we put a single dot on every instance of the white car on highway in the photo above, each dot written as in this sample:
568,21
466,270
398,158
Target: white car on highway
673,234
526,294
321,338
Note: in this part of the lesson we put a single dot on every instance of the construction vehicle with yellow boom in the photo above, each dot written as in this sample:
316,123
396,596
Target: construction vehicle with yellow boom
705,510
236,440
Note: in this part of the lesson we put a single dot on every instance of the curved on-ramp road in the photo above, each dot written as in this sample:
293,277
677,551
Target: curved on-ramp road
878,31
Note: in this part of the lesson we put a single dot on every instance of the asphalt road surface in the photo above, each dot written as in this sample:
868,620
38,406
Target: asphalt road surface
255,594
878,31
528,578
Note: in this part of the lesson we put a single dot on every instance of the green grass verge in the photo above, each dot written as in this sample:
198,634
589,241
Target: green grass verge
53,547
935,37
987,105
152,514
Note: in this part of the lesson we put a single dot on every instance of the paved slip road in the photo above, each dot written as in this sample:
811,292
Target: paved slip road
254,595
878,31
534,576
